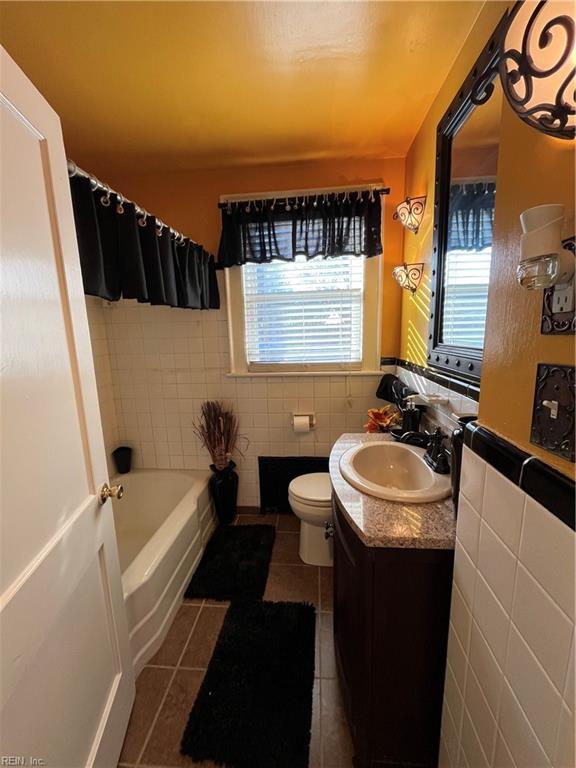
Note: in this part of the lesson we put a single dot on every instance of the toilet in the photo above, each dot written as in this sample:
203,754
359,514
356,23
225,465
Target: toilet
310,497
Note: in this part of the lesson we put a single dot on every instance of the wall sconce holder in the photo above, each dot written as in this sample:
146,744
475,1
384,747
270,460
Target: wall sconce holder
410,212
408,276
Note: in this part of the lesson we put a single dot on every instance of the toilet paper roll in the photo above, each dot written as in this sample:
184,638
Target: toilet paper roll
301,423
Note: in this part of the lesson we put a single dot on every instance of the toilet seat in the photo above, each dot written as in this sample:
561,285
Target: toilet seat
313,489
312,504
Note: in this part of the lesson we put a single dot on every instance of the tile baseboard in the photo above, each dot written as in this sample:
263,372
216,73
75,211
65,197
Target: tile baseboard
550,488
460,386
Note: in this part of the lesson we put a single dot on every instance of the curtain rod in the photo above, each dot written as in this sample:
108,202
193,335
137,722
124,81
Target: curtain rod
74,170
374,187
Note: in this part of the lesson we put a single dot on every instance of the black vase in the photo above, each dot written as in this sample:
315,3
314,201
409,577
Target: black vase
224,491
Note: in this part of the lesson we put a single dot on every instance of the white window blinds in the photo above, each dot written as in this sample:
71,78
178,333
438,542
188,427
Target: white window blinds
466,275
304,312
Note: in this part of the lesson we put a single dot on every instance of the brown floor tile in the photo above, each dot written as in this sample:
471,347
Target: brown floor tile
163,748
150,688
219,603
172,647
297,583
326,589
326,641
248,510
193,601
256,519
337,750
286,549
289,523
315,740
201,644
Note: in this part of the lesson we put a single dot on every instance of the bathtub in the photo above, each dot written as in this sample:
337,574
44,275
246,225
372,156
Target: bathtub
162,525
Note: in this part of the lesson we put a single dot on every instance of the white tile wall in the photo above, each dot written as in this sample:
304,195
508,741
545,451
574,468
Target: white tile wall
160,363
509,692
439,415
103,370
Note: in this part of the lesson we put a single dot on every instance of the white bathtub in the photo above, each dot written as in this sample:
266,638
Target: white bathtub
162,525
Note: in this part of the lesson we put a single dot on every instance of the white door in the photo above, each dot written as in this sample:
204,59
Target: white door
67,685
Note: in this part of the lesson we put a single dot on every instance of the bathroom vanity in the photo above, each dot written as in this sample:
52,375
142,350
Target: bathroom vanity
392,584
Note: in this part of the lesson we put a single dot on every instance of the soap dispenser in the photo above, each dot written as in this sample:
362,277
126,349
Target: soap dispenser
410,417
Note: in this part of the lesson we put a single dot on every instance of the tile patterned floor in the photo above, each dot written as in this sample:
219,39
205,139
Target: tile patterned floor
167,686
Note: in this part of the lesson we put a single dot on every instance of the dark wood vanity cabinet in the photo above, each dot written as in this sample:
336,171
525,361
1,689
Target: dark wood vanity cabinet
391,609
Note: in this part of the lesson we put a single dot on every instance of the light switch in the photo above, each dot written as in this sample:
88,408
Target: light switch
553,412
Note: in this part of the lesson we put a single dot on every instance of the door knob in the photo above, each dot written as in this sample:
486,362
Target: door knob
106,492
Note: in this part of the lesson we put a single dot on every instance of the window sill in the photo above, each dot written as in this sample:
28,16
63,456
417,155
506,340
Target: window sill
300,374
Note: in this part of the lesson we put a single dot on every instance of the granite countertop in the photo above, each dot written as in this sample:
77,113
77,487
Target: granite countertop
381,523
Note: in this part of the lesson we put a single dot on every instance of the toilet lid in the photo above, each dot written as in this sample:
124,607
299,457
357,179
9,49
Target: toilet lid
314,487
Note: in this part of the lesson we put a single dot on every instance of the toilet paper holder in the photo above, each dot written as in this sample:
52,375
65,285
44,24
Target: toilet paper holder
310,416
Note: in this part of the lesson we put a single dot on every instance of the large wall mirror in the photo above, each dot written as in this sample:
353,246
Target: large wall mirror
465,197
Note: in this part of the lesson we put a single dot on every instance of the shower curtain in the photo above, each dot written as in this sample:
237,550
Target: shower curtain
127,255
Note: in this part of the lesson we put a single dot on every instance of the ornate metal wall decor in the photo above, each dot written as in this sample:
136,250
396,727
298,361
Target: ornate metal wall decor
410,213
537,66
558,323
553,414
408,276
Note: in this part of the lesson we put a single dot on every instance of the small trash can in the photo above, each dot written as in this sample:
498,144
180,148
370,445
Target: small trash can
122,457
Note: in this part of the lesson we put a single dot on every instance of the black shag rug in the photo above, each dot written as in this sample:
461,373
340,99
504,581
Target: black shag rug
235,564
254,708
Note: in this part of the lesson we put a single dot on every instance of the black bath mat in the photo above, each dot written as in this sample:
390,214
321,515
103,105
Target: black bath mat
235,564
254,708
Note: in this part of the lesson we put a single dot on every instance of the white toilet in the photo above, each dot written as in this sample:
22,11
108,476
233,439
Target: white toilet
310,497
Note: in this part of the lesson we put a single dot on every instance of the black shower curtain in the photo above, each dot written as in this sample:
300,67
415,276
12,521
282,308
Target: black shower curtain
124,255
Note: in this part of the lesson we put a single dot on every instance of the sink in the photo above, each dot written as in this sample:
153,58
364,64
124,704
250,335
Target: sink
393,471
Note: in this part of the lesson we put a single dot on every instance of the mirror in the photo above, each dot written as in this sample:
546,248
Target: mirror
474,159
465,195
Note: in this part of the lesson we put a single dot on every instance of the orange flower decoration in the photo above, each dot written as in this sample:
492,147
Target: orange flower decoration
381,419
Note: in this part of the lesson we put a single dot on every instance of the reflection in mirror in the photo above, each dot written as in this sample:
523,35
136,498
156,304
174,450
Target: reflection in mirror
474,157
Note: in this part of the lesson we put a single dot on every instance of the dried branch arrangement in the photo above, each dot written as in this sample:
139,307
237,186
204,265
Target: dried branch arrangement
217,428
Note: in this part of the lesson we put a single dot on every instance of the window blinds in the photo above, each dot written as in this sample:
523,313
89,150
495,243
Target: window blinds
467,263
466,275
304,312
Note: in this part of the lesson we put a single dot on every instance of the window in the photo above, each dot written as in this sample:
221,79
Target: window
466,275
304,312
466,268
304,315
302,281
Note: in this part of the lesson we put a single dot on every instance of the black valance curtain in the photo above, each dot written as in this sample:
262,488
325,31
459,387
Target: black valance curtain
337,224
471,216
126,255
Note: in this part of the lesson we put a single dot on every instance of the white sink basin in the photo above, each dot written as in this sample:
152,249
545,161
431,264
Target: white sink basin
393,471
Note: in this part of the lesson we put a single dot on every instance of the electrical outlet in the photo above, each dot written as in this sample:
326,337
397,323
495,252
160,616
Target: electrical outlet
563,298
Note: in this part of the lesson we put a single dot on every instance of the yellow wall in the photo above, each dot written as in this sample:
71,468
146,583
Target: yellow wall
188,200
532,169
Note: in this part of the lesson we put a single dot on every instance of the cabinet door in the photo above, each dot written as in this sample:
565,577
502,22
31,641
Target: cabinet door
352,620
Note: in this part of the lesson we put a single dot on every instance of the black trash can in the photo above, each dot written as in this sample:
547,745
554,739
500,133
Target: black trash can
122,457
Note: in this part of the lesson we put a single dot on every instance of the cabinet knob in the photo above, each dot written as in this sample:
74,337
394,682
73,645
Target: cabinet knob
328,530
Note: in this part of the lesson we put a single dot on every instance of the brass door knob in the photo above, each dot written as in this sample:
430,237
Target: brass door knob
106,492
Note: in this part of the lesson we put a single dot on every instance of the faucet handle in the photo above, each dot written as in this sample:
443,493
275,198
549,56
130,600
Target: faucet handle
438,436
